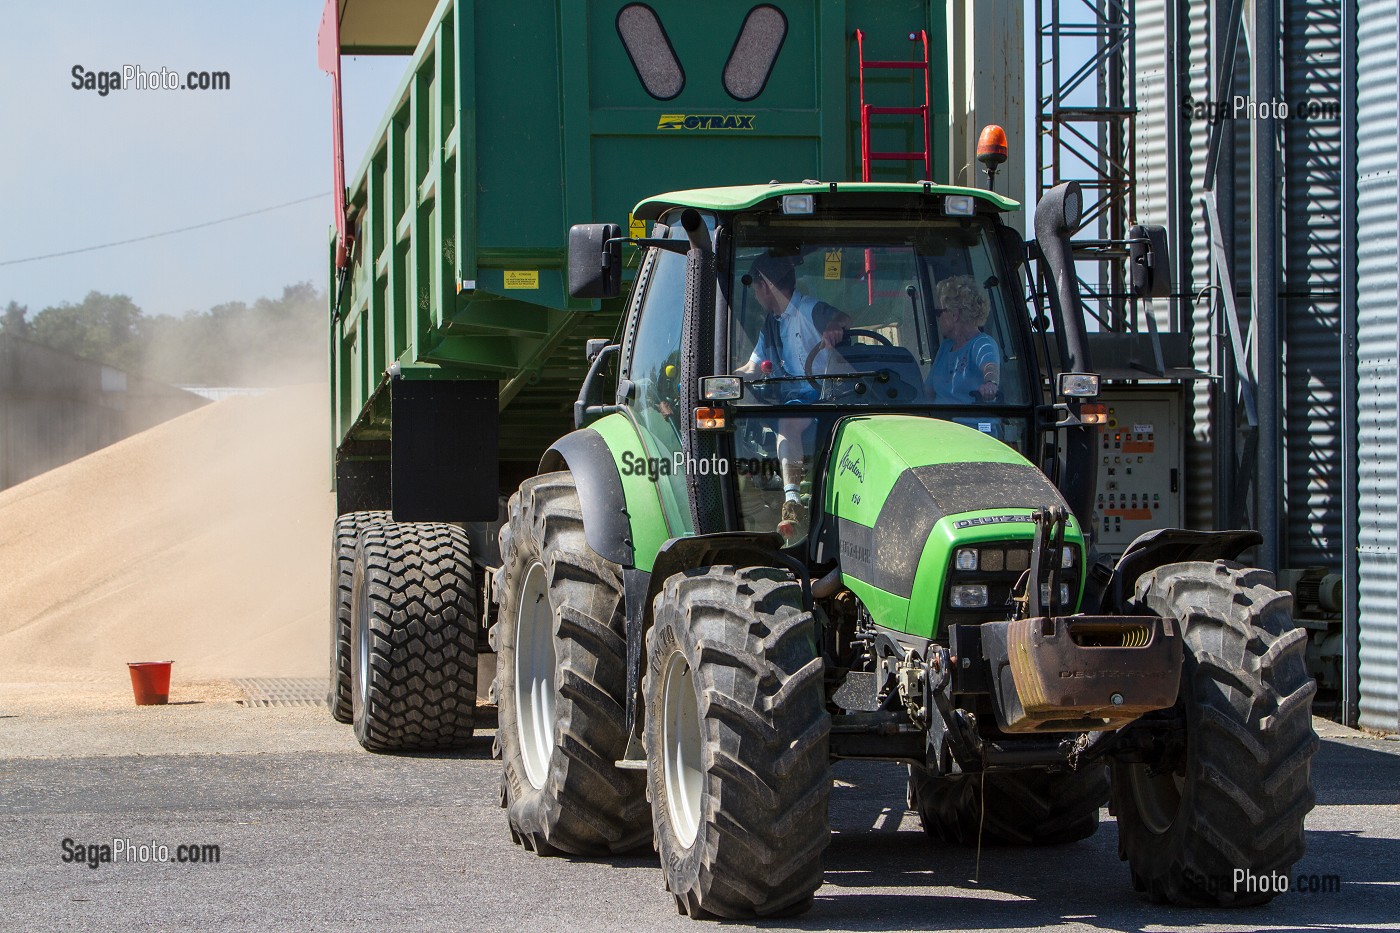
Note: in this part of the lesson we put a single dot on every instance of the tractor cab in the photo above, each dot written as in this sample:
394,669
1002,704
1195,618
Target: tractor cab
830,301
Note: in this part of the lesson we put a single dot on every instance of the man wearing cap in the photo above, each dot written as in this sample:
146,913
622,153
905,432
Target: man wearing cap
792,329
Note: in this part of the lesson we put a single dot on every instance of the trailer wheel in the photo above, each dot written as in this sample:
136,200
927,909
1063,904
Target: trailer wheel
346,536
1030,808
561,682
414,628
736,737
1233,795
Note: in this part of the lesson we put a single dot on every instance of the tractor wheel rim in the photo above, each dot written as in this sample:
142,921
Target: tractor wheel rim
681,747
361,611
1158,797
534,674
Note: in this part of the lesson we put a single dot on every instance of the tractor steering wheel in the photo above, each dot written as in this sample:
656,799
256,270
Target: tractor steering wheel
899,390
850,332
870,334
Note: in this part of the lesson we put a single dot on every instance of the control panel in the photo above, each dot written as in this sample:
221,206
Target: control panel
1140,465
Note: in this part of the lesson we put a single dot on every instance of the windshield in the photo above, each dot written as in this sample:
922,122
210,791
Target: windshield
854,310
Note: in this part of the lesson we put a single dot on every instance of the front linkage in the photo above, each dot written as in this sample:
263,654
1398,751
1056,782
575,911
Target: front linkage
1060,676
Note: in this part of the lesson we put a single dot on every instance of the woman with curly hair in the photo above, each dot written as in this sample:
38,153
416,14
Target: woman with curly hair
967,367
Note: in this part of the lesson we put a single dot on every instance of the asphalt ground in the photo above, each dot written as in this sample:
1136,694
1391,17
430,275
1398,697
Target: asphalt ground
314,833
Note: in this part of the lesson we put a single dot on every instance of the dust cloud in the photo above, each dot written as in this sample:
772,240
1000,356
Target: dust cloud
203,540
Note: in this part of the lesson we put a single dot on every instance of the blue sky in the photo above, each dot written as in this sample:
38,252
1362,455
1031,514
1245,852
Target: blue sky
78,169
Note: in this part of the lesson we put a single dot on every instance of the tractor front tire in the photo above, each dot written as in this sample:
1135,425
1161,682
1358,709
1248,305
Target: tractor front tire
414,628
1234,797
737,739
343,542
1030,808
561,678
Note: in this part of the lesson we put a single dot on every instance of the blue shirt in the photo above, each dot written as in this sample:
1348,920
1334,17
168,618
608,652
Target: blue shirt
797,334
957,375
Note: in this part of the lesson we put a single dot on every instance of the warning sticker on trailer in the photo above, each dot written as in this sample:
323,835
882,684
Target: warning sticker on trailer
636,228
522,279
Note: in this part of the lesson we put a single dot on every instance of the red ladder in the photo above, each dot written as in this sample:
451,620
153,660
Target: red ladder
867,110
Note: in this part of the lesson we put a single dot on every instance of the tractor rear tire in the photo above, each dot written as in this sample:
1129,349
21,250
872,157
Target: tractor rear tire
346,537
561,678
1030,808
414,628
737,735
1236,795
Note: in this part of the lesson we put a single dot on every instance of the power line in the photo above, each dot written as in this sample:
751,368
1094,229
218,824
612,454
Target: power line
153,236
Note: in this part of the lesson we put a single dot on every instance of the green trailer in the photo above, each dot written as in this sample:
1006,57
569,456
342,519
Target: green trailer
456,354
514,121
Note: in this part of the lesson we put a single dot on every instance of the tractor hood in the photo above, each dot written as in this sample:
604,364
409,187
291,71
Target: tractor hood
902,491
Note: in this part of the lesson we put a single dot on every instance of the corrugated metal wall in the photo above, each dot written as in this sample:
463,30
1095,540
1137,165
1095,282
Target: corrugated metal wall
1312,254
1197,319
1192,67
1378,336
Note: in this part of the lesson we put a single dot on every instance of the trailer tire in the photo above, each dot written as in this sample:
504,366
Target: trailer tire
737,736
560,739
1022,808
1239,788
414,629
343,541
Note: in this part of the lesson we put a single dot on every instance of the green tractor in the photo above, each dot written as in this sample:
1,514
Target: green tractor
827,500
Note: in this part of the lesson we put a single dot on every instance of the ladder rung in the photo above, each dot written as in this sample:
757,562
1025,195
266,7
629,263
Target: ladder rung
919,65
898,156
911,111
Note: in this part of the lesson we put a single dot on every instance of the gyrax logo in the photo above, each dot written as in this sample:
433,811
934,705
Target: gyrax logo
705,121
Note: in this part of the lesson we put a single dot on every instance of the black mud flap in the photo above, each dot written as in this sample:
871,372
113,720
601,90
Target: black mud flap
443,452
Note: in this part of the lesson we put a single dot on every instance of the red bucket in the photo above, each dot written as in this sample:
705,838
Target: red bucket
150,681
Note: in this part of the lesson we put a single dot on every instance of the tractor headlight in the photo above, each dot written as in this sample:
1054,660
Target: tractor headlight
1045,595
969,596
1066,557
966,558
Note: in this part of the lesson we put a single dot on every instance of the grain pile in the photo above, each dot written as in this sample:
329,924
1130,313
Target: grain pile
203,540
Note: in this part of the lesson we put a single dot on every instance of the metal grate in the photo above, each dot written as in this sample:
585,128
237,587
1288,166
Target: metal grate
283,691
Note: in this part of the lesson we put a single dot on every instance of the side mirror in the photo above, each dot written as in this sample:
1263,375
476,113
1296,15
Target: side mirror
595,260
1149,261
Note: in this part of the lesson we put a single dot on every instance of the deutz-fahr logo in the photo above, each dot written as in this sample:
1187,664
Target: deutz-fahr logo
853,462
705,121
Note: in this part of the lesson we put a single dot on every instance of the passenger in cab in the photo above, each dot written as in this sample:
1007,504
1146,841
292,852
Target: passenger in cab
967,367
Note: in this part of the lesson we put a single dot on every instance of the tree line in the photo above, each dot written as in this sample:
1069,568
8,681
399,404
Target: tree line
273,341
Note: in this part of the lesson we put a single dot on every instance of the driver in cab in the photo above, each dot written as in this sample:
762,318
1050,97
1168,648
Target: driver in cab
798,337
793,328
